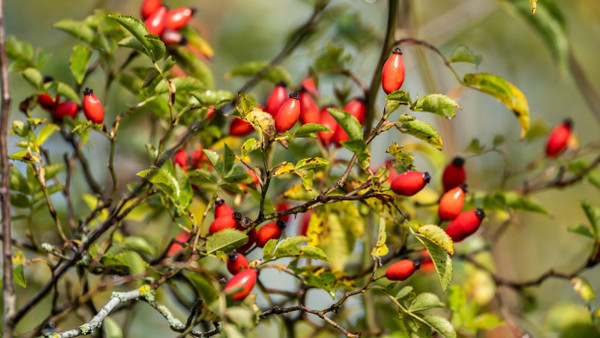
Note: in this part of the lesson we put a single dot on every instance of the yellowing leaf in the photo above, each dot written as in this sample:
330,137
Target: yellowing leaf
438,236
504,92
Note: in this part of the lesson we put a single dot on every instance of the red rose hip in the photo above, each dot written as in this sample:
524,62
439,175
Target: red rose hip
465,224
401,270
559,139
276,98
177,18
410,182
392,74
236,262
243,281
452,202
454,173
268,232
288,113
92,107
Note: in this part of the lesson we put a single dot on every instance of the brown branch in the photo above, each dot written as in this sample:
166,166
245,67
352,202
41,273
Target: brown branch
559,181
8,292
530,282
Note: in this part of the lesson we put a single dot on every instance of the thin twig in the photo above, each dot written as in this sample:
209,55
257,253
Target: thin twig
8,292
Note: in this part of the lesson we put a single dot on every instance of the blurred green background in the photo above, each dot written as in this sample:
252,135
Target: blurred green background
242,31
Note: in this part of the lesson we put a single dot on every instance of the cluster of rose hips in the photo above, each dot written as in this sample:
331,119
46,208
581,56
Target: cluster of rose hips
243,280
166,23
92,107
286,111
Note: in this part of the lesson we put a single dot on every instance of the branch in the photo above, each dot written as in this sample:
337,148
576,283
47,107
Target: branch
8,292
388,43
585,87
559,180
289,47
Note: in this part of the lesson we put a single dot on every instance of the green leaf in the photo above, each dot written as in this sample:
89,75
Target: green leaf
236,174
399,96
225,240
53,169
197,69
269,250
77,29
593,215
111,328
441,259
228,159
462,53
136,27
438,236
335,229
18,261
307,180
214,160
441,325
79,60
311,163
422,130
359,147
136,264
139,244
290,247
67,91
249,146
380,248
438,104
504,92
45,133
309,129
520,202
19,201
348,122
164,180
581,229
157,48
333,58
425,301
34,77
405,291
474,147
18,182
486,321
